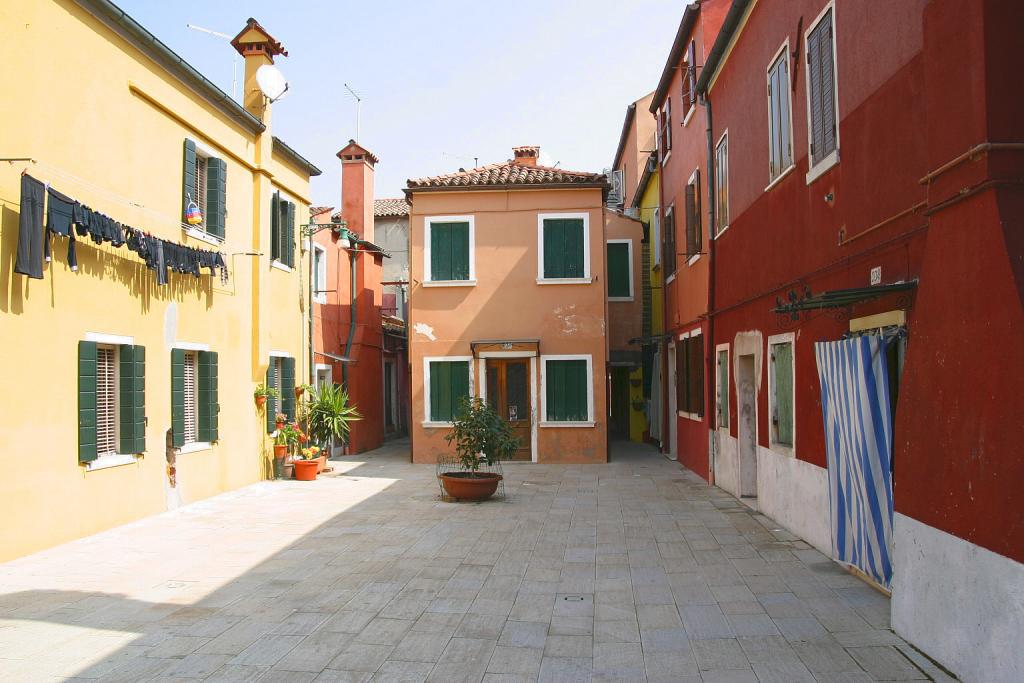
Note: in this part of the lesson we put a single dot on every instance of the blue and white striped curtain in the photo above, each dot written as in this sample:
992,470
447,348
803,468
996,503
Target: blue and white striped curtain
858,436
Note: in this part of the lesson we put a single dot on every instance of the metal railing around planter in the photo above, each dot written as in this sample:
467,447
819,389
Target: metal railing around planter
451,463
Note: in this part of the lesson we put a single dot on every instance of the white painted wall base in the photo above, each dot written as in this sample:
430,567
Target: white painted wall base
960,603
727,466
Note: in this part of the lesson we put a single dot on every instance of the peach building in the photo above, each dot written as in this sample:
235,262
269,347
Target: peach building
509,301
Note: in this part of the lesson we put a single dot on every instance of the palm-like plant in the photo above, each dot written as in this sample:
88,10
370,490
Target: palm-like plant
328,414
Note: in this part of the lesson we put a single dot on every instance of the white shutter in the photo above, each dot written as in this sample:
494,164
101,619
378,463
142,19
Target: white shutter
190,398
106,401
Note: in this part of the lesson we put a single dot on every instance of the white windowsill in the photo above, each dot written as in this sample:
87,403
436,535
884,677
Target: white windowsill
567,424
195,447
690,416
693,259
782,449
449,283
106,461
620,299
822,166
689,114
720,233
319,299
280,266
778,178
667,155
202,236
436,425
670,278
564,281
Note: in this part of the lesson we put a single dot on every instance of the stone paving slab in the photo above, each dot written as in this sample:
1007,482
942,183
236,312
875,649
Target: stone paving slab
631,571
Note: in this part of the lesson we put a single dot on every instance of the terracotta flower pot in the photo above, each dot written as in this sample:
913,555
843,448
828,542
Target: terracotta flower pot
261,401
470,485
299,391
305,470
280,451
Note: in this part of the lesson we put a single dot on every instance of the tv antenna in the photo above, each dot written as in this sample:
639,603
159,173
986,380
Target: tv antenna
476,160
271,82
359,102
234,62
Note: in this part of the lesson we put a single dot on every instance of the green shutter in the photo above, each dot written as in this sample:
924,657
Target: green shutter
132,398
86,401
216,196
288,387
288,248
723,389
275,226
618,270
566,391
188,177
782,363
271,406
696,374
178,397
554,254
209,408
449,251
460,251
449,381
564,241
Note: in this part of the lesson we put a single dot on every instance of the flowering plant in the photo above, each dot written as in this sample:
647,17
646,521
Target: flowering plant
310,453
289,434
280,417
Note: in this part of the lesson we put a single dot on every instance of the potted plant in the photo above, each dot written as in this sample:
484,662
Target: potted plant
300,389
285,436
262,393
480,437
279,420
328,415
306,463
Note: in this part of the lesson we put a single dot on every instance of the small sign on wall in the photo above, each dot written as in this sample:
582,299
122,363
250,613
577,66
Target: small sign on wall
876,275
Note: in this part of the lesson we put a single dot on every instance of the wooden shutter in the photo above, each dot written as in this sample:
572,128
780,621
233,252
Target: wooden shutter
682,377
86,401
449,251
106,401
460,251
695,374
669,257
191,412
288,387
132,397
782,415
691,71
815,94
822,66
564,242
691,226
618,270
216,196
449,382
554,252
271,403
668,124
188,177
566,391
275,227
289,235
178,397
723,389
209,407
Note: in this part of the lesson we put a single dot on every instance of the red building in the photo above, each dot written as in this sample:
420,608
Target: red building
867,185
348,333
682,154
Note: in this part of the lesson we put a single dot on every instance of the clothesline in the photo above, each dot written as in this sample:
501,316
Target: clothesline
70,218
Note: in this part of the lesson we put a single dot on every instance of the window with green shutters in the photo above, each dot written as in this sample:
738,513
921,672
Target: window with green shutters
780,393
451,257
204,183
690,374
194,397
282,230
448,381
111,400
564,248
620,270
208,399
567,382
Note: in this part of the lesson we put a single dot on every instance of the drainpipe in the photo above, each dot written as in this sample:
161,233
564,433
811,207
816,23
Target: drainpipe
352,319
310,253
710,352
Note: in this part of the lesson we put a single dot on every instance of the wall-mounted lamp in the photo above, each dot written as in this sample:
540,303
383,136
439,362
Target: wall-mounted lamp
344,236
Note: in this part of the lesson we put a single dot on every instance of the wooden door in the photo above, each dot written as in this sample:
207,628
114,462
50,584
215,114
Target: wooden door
508,392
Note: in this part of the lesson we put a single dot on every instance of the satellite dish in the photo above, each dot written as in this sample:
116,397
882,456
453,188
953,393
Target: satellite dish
271,82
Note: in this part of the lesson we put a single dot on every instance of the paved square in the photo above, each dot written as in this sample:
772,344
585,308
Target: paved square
635,570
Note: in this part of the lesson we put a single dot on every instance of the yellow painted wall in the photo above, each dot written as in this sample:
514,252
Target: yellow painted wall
106,126
648,203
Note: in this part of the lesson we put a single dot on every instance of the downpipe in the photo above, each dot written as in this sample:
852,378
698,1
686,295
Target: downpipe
709,349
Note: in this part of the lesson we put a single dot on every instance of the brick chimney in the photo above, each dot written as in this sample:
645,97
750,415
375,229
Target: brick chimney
526,156
357,188
258,48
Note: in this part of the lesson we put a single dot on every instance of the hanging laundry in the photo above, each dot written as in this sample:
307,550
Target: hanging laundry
60,211
30,229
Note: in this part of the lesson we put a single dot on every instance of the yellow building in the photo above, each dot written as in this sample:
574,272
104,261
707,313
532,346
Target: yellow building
106,363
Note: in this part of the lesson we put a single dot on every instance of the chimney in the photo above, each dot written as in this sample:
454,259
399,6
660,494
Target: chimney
526,156
258,48
357,188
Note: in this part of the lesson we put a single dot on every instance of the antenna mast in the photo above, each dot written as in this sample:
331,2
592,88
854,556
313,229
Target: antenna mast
234,62
359,102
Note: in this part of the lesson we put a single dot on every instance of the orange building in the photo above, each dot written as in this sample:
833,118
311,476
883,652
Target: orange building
509,302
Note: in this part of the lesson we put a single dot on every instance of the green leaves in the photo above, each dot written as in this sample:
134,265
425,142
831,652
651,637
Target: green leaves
329,414
480,435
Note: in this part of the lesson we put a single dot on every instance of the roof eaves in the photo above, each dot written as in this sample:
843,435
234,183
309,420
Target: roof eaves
675,54
645,178
588,185
726,35
624,135
155,49
291,155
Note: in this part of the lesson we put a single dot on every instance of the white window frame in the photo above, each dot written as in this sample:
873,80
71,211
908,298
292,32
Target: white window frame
719,402
587,275
690,108
718,145
782,52
278,263
669,277
274,356
629,251
195,446
666,111
544,422
199,231
696,417
427,360
815,171
656,236
695,178
788,450
428,280
319,278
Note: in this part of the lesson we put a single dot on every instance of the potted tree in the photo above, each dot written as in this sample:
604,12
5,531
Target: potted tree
262,393
328,415
306,463
480,437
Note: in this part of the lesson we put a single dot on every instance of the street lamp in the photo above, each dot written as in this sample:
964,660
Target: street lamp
308,230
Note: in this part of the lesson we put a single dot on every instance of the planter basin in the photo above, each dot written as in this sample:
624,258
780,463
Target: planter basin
321,464
469,486
305,470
